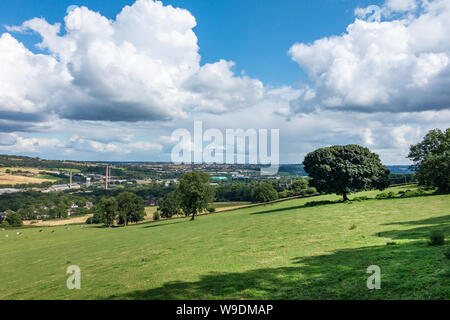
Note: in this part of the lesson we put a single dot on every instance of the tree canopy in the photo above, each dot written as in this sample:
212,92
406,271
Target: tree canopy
130,208
264,192
195,193
431,159
345,169
170,205
108,211
14,219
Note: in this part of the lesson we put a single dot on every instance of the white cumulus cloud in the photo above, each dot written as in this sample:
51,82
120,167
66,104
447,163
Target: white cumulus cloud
142,65
396,65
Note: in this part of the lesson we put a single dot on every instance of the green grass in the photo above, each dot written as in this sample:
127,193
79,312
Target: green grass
46,176
281,251
222,205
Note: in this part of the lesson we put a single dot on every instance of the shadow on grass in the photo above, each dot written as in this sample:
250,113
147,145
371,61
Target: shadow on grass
436,220
167,224
327,202
427,225
410,270
306,205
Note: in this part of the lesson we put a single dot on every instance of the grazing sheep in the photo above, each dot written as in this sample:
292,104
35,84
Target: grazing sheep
41,230
6,236
19,233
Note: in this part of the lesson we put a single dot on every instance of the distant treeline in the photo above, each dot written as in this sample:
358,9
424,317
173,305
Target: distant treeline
31,203
298,169
401,178
243,191
123,172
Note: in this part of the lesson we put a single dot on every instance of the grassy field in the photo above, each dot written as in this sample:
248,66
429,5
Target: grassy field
286,250
9,179
227,205
220,206
58,222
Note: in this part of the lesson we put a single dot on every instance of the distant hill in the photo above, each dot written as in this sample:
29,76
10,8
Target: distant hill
297,169
400,169
21,161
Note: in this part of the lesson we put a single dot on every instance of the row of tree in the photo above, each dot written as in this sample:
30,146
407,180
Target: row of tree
54,205
246,191
124,209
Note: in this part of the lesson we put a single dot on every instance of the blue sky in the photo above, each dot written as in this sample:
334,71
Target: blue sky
226,29
104,82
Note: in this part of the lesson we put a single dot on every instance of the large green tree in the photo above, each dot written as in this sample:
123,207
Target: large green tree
431,159
345,169
195,193
107,209
170,205
130,208
264,192
14,219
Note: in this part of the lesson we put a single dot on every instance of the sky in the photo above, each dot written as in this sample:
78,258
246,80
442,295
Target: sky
112,80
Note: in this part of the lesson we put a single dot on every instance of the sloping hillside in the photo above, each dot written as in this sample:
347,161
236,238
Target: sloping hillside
287,250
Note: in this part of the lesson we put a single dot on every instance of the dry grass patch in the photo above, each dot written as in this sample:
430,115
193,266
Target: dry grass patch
54,223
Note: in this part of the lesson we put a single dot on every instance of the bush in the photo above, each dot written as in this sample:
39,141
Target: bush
385,195
14,219
156,216
362,198
282,194
299,185
382,195
264,192
413,193
311,191
211,209
436,238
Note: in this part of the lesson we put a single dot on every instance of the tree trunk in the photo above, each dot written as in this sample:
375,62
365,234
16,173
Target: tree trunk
193,217
345,196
